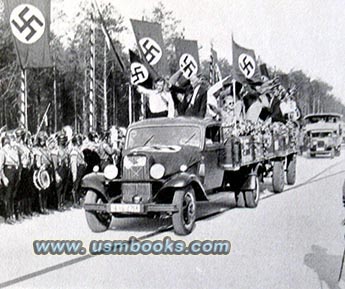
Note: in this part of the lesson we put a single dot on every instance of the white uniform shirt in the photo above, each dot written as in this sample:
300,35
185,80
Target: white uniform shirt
158,101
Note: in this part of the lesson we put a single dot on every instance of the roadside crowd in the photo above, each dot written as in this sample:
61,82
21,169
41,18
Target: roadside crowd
41,174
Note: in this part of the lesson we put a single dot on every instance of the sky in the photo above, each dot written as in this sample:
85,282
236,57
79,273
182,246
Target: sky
291,35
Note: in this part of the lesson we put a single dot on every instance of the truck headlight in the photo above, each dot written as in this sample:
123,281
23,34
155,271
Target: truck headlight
157,171
111,172
183,168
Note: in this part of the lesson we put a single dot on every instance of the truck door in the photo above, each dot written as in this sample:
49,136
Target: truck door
212,148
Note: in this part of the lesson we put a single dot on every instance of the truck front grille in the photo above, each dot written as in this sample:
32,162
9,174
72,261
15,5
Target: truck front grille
144,191
135,170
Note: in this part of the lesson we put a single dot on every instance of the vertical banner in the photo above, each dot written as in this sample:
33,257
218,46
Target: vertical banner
30,25
151,46
244,64
187,55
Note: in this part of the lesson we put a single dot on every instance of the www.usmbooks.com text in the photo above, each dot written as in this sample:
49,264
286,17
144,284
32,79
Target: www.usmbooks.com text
133,246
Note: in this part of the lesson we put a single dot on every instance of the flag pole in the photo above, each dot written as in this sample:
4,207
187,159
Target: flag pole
92,74
43,120
75,106
55,95
212,78
142,107
26,99
234,90
85,95
130,100
105,112
235,97
22,109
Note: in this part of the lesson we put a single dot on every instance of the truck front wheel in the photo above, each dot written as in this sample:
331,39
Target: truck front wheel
98,221
184,219
338,152
239,197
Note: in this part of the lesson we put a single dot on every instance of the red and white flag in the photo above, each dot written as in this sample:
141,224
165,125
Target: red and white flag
140,73
187,55
30,25
149,39
245,67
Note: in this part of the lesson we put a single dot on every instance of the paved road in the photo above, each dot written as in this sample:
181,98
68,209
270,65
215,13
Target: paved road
292,240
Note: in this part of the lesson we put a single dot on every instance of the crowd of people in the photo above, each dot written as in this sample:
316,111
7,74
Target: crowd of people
260,102
40,174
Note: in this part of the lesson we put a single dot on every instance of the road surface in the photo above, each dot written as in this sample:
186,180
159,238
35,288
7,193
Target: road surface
291,240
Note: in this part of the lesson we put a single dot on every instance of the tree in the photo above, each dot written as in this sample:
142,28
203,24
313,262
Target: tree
73,61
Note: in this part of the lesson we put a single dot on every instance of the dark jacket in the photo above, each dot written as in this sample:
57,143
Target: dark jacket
276,112
184,107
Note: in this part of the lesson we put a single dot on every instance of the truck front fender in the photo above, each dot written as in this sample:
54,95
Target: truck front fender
184,180
95,182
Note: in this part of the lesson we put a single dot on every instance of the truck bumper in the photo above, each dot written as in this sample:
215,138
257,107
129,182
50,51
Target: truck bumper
140,209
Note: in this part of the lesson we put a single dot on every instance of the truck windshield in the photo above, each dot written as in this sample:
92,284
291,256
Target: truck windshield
321,134
323,118
164,136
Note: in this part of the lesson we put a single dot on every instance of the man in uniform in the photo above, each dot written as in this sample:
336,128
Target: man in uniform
9,175
25,188
78,167
42,161
107,152
60,158
89,150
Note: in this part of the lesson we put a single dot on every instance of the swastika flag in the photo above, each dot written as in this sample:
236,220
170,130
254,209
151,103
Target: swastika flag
140,73
30,24
187,55
244,62
149,38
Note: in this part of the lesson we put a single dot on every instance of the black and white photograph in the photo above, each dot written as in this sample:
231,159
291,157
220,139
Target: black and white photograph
172,144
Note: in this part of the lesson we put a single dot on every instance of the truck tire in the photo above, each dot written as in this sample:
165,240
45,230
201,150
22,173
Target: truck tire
338,152
98,221
278,178
184,219
240,202
332,153
252,197
291,171
310,155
